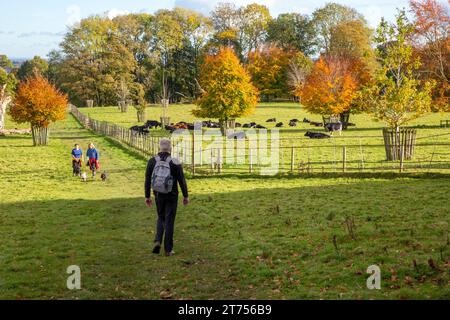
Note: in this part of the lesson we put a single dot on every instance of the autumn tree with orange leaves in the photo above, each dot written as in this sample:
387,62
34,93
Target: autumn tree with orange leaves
39,103
432,45
268,67
227,89
330,88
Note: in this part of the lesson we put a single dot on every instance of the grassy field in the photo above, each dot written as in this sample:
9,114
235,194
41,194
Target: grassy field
241,237
364,143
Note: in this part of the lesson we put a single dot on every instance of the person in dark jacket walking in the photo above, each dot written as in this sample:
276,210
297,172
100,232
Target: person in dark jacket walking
166,203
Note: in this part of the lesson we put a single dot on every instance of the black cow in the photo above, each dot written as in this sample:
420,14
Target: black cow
316,135
140,129
246,125
306,120
152,124
272,120
237,125
170,128
292,123
279,124
252,124
258,126
210,124
317,124
333,127
294,120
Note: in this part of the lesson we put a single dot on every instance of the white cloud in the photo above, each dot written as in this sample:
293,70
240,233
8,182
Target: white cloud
373,15
74,15
40,33
112,13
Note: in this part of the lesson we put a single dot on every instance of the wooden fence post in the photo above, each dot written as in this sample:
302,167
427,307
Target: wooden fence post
292,159
362,154
219,160
250,160
402,151
193,154
212,160
344,159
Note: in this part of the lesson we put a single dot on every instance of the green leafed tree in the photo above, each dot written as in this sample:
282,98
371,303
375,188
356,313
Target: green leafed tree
167,38
292,31
327,18
30,67
255,20
244,28
95,61
396,96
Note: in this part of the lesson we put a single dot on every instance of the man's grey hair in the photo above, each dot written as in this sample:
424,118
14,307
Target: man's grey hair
165,145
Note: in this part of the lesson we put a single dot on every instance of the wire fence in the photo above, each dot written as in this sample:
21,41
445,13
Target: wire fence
208,152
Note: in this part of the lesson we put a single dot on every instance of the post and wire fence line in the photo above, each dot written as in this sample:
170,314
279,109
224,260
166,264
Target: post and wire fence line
207,152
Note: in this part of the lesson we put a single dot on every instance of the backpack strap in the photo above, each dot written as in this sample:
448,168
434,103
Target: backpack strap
168,159
157,158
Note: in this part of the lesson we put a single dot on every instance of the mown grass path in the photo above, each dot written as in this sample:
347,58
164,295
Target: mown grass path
242,237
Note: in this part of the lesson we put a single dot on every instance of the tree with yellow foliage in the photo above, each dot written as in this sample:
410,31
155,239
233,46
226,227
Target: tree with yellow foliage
227,90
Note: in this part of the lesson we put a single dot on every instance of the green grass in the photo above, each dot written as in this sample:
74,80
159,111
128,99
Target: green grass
241,237
364,142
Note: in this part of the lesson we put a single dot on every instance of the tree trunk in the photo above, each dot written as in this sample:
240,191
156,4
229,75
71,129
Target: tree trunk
123,106
165,121
141,116
344,117
399,143
4,101
2,114
225,125
40,135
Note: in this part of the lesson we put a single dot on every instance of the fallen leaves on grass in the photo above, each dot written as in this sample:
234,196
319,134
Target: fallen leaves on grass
408,280
166,294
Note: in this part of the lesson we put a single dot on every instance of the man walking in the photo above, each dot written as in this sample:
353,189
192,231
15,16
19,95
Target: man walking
163,175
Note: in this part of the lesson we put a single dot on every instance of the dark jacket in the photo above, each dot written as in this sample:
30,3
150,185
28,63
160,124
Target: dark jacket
176,170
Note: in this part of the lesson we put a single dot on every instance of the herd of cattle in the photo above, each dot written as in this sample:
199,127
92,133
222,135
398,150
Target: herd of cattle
329,127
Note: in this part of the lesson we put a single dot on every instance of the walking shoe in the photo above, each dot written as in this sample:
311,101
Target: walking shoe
169,254
157,248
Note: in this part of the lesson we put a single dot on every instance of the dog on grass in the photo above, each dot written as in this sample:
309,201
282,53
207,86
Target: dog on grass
104,176
84,177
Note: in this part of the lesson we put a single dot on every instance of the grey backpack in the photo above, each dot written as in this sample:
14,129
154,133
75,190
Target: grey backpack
162,180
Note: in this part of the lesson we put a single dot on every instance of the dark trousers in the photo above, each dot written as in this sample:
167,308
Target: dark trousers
166,208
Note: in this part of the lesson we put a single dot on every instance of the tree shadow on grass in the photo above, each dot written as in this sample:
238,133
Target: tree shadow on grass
331,175
229,244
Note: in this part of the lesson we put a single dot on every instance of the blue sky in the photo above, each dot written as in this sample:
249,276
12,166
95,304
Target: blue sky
29,28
